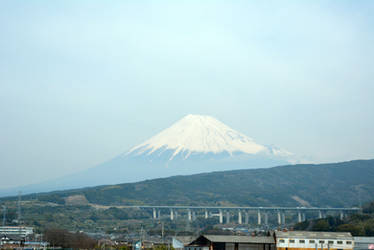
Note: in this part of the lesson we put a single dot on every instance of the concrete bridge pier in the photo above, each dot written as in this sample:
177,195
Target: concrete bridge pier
283,218
246,217
189,215
341,215
240,217
303,217
193,215
227,217
154,213
171,214
279,218
266,218
319,214
206,214
299,218
258,217
159,214
220,217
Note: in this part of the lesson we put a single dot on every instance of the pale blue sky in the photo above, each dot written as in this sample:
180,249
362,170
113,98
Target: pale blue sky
82,81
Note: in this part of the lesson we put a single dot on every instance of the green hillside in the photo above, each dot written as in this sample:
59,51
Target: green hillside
335,185
344,184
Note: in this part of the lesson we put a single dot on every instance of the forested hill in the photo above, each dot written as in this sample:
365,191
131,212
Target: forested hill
335,185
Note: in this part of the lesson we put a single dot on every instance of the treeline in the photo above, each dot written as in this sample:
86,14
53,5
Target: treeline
65,239
80,217
357,224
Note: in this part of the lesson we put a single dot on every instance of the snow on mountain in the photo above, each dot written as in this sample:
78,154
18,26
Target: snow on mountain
274,150
203,134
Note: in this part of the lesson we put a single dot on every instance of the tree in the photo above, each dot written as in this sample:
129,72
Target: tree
321,225
368,208
369,229
355,230
65,239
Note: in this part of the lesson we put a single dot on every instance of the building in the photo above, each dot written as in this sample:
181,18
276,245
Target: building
302,240
16,230
179,242
11,236
232,242
364,243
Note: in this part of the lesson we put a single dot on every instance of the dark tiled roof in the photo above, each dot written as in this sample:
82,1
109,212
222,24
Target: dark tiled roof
185,239
240,239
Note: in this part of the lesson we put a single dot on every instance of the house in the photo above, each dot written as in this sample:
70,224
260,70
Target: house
301,240
232,242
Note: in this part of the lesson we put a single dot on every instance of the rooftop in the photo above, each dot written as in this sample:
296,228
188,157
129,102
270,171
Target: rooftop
235,239
313,235
185,239
364,240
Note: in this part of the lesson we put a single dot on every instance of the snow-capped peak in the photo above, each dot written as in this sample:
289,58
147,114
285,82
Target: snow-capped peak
203,134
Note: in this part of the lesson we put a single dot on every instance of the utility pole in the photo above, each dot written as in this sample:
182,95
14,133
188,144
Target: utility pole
19,207
162,231
4,215
141,234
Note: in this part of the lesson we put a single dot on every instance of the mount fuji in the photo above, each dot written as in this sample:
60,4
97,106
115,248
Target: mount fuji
198,134
194,144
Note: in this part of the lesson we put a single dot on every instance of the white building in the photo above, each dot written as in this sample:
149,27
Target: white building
302,240
16,230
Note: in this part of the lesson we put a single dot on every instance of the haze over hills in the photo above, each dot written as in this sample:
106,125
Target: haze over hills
194,144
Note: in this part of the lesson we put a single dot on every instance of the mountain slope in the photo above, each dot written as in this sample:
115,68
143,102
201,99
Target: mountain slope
335,185
195,144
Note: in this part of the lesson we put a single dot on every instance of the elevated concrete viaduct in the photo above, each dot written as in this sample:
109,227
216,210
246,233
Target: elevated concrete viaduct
263,213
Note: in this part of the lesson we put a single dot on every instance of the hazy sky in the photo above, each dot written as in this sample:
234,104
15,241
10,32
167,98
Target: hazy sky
82,81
